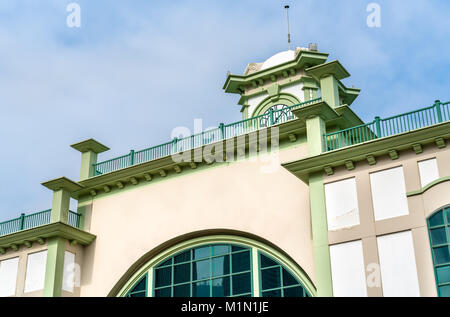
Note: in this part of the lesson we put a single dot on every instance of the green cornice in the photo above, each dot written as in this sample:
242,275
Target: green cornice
62,183
359,152
347,117
90,145
321,109
234,82
331,68
348,94
157,169
428,186
57,229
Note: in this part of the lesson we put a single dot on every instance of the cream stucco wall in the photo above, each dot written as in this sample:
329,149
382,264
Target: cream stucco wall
232,196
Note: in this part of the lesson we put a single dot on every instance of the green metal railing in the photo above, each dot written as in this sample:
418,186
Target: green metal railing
34,220
224,131
381,128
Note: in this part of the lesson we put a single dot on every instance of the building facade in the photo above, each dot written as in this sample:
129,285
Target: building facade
300,198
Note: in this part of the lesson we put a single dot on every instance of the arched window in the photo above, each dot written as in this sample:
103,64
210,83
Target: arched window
219,270
439,230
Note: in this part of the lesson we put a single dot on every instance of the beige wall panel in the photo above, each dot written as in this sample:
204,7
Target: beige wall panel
274,206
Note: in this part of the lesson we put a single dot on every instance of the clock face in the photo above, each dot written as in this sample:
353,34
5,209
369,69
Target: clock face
281,113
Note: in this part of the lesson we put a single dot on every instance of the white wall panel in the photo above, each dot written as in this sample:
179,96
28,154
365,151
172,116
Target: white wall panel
428,171
35,275
69,272
347,269
8,277
389,193
342,204
398,265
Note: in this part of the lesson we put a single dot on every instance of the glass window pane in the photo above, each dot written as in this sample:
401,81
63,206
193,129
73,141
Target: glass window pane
163,292
182,290
441,255
438,236
276,293
201,289
443,274
288,279
201,270
220,249
266,262
240,262
436,219
168,262
221,287
448,214
183,257
221,265
141,286
242,283
203,252
163,276
444,291
235,248
182,273
293,292
270,278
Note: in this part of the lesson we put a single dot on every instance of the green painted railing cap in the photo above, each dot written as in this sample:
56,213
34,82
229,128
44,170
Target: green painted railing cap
90,145
331,68
62,183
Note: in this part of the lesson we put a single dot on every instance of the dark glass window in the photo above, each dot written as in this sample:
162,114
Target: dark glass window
213,270
139,289
439,230
277,281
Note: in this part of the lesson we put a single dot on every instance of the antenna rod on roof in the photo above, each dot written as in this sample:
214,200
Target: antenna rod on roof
289,34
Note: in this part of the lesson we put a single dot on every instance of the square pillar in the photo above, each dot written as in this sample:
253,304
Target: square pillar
54,270
315,129
62,189
89,150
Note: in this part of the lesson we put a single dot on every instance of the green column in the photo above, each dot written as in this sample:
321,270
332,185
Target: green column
60,206
321,248
330,92
55,267
89,150
315,128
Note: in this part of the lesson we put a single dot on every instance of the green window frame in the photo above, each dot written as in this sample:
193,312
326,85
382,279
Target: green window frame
439,234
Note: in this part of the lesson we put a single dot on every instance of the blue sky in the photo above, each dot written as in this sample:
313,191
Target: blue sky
137,69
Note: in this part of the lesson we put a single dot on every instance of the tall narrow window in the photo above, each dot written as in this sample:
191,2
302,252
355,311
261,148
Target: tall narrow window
439,230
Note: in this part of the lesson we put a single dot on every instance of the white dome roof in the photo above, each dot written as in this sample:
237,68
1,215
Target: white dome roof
278,59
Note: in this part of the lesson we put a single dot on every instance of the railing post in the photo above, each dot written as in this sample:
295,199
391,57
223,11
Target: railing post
22,221
175,140
131,157
437,104
272,121
378,126
222,130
